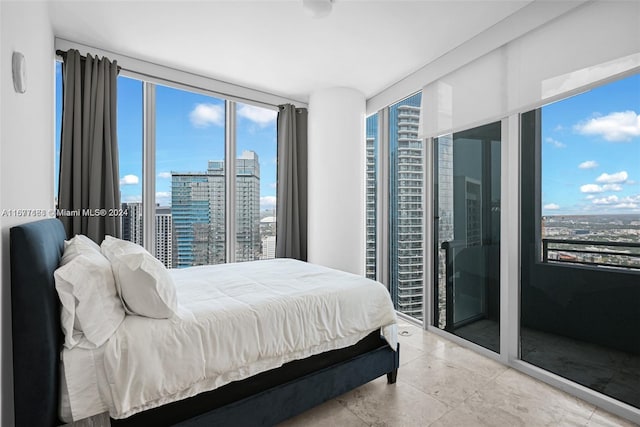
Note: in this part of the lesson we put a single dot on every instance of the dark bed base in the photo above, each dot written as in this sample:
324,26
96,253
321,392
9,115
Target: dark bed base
276,395
264,399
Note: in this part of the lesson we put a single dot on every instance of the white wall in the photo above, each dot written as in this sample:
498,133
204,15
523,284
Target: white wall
26,147
336,179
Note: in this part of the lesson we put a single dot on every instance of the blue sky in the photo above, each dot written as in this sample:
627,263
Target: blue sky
591,151
189,133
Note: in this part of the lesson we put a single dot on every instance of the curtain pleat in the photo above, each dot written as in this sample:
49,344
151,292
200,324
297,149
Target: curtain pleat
89,185
291,210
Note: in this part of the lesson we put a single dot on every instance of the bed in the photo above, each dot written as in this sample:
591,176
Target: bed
265,398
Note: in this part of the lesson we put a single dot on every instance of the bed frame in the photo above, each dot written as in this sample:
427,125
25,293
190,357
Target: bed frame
264,399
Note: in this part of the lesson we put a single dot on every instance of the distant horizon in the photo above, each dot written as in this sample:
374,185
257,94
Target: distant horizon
637,215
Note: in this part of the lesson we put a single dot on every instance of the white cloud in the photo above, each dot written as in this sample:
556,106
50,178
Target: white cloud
589,164
551,206
612,187
205,115
268,202
591,188
614,127
273,185
260,116
556,143
606,200
590,196
134,198
163,198
129,180
164,175
626,206
631,199
615,178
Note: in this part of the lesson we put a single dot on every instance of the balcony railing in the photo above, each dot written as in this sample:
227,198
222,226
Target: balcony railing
592,253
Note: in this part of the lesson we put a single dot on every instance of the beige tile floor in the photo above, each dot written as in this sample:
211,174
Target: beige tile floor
443,384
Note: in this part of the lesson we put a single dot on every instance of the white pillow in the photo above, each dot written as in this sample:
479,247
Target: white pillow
143,282
90,304
78,245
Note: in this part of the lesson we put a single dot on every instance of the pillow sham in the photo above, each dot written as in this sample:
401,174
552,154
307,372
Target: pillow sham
90,304
144,284
78,245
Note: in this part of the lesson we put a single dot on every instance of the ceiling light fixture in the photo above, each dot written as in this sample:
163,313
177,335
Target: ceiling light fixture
317,8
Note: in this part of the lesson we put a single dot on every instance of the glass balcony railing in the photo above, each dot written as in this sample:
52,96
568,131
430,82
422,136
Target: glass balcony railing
592,253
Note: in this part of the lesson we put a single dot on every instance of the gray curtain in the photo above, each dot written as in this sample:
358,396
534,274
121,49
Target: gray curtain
291,215
89,186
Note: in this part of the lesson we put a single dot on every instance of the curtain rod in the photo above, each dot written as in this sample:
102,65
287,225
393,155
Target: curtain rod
188,80
179,84
62,53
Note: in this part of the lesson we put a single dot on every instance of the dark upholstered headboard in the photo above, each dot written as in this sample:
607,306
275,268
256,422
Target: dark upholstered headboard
36,248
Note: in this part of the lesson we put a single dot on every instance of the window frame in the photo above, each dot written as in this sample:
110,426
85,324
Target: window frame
149,104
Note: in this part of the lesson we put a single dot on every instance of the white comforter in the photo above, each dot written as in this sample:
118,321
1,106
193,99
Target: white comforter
236,320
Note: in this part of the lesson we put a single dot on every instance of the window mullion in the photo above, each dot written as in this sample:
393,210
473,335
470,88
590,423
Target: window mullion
382,245
149,166
230,179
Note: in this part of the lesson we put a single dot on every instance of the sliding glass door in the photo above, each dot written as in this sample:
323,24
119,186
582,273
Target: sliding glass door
467,234
580,237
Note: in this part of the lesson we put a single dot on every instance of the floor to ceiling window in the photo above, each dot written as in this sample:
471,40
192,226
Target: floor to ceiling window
580,239
190,178
467,234
406,208
256,179
58,136
130,153
189,147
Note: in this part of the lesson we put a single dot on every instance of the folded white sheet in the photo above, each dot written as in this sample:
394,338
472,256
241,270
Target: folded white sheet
82,376
234,321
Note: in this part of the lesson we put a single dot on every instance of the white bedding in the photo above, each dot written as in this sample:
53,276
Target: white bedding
234,321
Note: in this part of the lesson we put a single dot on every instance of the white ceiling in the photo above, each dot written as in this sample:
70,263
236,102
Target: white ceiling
275,46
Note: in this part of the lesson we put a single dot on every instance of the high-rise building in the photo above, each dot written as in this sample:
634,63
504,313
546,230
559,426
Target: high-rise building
268,247
132,222
190,193
371,204
198,213
217,235
132,230
445,216
268,235
248,207
406,213
164,236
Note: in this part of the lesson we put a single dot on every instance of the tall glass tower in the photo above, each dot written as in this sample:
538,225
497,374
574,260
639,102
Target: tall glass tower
406,209
198,213
372,189
248,242
190,209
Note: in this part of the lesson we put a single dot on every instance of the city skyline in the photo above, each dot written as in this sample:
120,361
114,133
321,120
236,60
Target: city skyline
193,230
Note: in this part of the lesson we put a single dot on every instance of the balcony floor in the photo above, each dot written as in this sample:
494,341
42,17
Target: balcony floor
608,371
